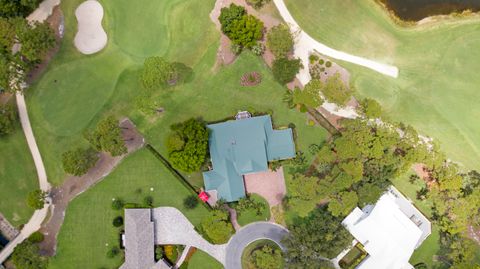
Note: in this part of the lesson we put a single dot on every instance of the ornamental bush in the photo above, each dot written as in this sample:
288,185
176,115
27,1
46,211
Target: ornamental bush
118,221
78,161
190,202
285,70
280,41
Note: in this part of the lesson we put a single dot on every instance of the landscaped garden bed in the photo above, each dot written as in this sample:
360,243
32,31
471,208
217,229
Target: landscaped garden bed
262,254
353,258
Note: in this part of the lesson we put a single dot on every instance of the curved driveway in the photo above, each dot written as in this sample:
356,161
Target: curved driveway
305,44
249,234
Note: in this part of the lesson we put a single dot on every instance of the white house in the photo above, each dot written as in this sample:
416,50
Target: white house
390,231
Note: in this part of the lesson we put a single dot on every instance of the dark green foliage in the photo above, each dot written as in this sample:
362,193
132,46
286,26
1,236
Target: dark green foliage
335,91
113,252
267,257
8,116
118,221
371,108
308,97
36,40
157,72
318,235
190,202
17,8
280,40
368,193
217,226
36,237
78,161
36,199
107,137
148,201
187,145
243,29
117,204
26,256
285,70
159,253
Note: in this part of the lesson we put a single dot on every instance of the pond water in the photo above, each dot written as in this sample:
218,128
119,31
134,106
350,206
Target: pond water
415,10
3,240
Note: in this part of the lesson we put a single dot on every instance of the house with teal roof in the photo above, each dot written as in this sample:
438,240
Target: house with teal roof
240,147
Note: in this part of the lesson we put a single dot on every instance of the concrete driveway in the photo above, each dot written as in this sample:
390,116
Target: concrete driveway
248,234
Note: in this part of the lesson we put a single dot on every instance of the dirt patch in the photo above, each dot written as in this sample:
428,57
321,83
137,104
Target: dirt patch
56,22
233,217
422,172
74,186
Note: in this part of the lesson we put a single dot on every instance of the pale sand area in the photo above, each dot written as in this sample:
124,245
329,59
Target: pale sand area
91,37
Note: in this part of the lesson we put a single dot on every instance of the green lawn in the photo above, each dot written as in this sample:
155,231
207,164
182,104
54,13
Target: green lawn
201,260
88,221
77,90
250,215
437,89
18,177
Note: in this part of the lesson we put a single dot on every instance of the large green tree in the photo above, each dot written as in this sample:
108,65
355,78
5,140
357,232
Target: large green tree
17,8
217,226
243,29
78,161
284,70
335,91
314,239
267,257
35,39
26,256
187,145
280,40
107,137
157,72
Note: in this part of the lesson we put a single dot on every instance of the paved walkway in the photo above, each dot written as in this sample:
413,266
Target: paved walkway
248,234
33,225
305,44
174,228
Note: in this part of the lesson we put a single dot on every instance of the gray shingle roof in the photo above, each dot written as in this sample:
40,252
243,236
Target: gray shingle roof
139,239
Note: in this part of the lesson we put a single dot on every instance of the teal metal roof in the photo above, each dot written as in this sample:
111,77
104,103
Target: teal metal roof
240,147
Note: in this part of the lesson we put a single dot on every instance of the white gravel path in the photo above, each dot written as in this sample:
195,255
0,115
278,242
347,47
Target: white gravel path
91,37
305,44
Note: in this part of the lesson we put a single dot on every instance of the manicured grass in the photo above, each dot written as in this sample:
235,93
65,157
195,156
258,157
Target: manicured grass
247,252
77,90
248,216
88,221
201,260
437,88
18,177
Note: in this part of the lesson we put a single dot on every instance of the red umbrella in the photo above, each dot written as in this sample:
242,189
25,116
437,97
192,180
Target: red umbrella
203,196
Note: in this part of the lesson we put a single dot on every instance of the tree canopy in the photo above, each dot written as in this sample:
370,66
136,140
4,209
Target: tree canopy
157,72
21,8
217,226
284,70
187,145
280,40
267,257
36,199
371,108
315,238
335,91
243,29
26,256
78,161
107,137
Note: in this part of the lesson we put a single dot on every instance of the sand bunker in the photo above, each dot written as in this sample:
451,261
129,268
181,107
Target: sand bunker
90,37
